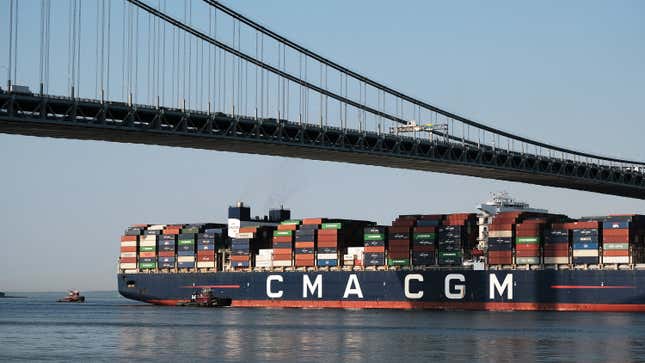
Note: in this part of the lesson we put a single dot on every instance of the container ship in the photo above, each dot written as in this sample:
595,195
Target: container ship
506,256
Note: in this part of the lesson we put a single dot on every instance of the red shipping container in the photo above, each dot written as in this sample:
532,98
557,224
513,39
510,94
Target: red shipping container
129,249
423,248
527,234
527,247
398,248
583,225
327,232
147,254
128,238
330,244
500,254
398,255
207,258
248,229
527,253
425,229
171,231
128,260
399,229
500,227
556,253
500,261
238,258
304,257
166,254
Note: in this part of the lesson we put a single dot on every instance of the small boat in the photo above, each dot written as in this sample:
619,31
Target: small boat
205,298
74,296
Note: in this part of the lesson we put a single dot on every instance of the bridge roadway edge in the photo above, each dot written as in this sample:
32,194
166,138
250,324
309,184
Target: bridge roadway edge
322,153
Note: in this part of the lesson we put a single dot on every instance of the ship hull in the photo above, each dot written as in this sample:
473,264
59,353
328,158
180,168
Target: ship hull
562,290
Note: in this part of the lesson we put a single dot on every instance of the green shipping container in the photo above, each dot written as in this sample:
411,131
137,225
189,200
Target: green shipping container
183,242
374,237
449,254
147,249
190,230
291,221
527,260
282,233
425,236
398,261
147,265
331,225
527,240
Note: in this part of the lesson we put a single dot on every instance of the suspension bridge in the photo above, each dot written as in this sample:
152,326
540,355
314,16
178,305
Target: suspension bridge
198,74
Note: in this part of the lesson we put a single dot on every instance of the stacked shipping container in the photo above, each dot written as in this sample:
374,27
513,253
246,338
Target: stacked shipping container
586,237
374,245
556,245
622,239
424,237
528,239
283,239
329,243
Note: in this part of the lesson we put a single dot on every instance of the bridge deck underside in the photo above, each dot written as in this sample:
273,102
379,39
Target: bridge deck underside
92,121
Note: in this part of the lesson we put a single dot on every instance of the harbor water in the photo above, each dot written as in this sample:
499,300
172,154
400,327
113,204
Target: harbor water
109,327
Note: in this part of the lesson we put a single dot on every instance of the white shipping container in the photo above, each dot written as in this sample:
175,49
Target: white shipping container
206,264
356,251
585,253
263,264
348,257
327,256
246,235
128,254
233,223
265,252
128,266
185,258
148,243
129,244
149,238
556,260
157,227
233,232
131,271
615,259
282,263
348,263
500,234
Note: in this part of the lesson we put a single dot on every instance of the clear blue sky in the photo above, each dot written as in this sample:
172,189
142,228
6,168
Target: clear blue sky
570,73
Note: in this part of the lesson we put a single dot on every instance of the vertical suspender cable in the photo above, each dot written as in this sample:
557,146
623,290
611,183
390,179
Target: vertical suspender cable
10,44
107,53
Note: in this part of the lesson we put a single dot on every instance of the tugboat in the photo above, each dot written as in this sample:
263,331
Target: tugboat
74,296
204,298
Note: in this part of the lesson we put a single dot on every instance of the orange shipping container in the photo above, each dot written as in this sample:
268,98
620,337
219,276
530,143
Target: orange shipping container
369,249
166,254
129,249
327,244
282,251
147,254
287,227
312,221
171,231
128,238
282,239
616,253
304,245
281,257
248,229
128,260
